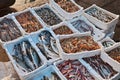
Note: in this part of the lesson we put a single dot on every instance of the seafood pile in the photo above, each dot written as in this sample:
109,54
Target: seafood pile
78,44
8,30
101,67
115,54
27,59
62,30
107,44
67,5
28,22
54,76
99,15
74,70
81,26
48,16
47,45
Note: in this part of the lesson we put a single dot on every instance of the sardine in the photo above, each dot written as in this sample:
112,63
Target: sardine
38,61
48,43
33,59
53,45
28,62
21,64
17,51
43,51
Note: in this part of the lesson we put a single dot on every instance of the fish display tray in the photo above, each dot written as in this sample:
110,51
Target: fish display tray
107,39
73,30
45,72
76,55
115,62
49,7
97,34
99,23
9,50
21,27
89,70
64,13
35,39
106,59
111,35
10,16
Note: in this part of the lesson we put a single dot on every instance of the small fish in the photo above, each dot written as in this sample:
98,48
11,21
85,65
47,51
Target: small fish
17,51
28,62
21,64
36,58
48,16
53,45
43,51
49,43
33,59
99,14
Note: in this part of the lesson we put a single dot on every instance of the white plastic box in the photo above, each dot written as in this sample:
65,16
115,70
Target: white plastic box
9,50
77,55
64,24
45,72
45,6
64,78
10,17
35,39
105,59
111,35
111,59
108,39
99,23
97,34
64,13
20,26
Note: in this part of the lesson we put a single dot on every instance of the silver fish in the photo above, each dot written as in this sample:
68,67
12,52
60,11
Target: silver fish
33,59
47,38
43,51
36,58
21,64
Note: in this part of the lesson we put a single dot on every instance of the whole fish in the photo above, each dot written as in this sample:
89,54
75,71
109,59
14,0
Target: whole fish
43,51
21,64
25,57
48,16
48,41
36,58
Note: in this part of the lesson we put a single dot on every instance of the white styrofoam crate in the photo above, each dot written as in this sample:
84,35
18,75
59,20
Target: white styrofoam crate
77,55
35,39
64,78
45,72
111,35
64,13
97,34
106,59
99,23
46,6
110,58
20,26
108,39
64,24
9,50
10,17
